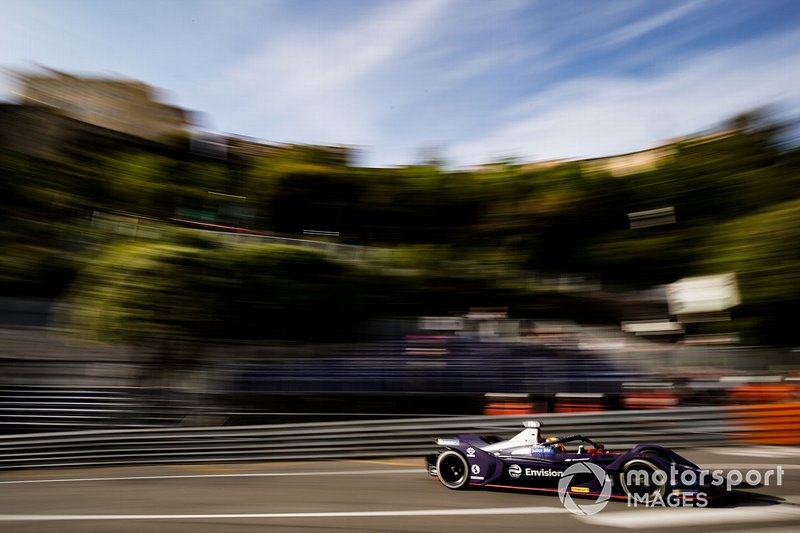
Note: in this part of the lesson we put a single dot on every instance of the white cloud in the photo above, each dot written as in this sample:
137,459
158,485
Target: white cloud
598,116
642,27
481,78
316,83
490,60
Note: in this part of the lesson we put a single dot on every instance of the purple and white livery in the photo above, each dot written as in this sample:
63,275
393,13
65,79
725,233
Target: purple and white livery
529,462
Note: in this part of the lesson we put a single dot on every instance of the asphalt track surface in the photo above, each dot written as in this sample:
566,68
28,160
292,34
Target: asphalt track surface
370,495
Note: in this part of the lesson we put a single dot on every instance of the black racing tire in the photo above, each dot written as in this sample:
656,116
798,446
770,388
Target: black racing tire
646,487
453,470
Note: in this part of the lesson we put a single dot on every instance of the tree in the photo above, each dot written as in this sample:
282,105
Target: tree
139,183
150,293
762,250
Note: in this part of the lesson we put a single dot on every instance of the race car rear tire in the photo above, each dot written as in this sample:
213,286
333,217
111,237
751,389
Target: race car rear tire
651,486
453,470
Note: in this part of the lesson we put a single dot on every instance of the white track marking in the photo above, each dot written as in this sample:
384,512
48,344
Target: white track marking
645,518
342,514
257,474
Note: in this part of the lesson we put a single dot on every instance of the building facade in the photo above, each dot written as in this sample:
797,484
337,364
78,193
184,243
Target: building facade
125,106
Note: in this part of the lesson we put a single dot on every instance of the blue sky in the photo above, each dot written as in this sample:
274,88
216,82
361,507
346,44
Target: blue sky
473,80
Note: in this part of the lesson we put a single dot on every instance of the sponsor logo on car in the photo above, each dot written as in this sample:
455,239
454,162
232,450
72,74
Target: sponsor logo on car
542,472
470,452
448,442
539,450
476,469
517,471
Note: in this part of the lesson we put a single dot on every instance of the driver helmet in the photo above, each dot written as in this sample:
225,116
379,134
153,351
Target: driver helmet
558,447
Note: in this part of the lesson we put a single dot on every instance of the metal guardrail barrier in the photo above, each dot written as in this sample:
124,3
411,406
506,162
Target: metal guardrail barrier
28,408
697,426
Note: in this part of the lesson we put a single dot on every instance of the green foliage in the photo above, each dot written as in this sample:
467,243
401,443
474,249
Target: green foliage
454,236
30,270
149,293
133,291
145,292
763,250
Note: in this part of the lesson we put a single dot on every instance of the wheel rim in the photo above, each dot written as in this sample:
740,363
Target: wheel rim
452,470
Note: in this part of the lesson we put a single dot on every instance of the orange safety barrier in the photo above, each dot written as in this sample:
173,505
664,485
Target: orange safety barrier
579,402
650,400
577,406
769,423
763,392
508,408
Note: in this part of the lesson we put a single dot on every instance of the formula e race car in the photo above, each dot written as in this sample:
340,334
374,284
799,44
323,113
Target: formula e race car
574,465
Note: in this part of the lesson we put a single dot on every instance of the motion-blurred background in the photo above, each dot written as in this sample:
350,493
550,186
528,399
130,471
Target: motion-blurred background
155,273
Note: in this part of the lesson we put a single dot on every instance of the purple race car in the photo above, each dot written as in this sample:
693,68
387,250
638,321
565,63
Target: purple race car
575,465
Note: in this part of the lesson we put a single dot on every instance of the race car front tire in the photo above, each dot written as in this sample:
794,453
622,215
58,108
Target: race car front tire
453,470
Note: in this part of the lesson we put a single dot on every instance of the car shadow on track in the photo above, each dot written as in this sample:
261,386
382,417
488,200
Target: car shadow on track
741,498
